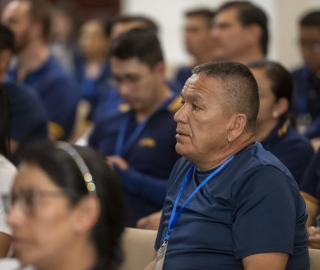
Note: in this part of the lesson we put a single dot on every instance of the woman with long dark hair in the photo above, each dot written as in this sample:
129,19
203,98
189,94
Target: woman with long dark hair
65,210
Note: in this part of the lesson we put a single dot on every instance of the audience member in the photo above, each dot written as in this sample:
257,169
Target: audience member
65,210
30,22
197,39
28,121
64,32
92,68
274,128
240,32
306,95
222,205
7,170
310,190
139,139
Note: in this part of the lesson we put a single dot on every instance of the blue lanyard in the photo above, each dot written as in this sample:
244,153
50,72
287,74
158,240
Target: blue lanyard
121,146
303,99
175,216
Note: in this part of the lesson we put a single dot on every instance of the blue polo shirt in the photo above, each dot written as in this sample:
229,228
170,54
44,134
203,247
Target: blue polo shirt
28,119
253,205
151,156
306,98
59,94
291,148
310,185
183,74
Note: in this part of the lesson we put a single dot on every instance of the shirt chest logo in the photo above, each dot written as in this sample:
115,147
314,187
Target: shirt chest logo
147,142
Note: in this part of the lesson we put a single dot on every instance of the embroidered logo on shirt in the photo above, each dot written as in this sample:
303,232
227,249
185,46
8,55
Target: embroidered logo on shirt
147,142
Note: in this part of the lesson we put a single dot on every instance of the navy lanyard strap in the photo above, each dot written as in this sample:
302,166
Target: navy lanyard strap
121,146
175,216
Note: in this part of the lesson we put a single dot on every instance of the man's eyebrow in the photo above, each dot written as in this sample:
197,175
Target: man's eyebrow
193,97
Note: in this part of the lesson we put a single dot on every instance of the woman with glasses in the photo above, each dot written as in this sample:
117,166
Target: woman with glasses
7,170
65,210
274,128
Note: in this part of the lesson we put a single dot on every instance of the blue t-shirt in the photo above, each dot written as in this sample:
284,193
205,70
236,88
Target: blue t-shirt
311,180
151,156
291,148
57,90
251,206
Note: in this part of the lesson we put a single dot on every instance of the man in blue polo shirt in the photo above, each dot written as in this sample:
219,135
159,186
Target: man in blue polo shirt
230,204
139,139
29,20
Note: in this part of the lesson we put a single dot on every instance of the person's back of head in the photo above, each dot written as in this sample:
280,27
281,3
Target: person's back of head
310,39
4,121
125,23
142,44
240,92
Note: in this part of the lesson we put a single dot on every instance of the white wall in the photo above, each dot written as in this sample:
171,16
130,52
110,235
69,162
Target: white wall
283,16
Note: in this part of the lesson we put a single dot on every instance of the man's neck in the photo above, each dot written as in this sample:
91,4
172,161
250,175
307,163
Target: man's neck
205,57
216,159
163,94
264,129
31,58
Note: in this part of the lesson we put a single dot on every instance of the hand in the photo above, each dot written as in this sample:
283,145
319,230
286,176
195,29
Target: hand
118,161
314,237
150,222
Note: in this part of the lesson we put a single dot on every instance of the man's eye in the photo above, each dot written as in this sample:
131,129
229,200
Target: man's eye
195,107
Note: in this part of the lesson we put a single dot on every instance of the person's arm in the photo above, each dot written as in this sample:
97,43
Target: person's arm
311,206
266,261
150,222
152,265
5,242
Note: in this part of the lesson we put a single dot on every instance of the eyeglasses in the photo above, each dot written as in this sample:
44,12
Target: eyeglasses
28,199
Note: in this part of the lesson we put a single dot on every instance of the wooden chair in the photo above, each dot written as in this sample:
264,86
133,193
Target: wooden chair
314,255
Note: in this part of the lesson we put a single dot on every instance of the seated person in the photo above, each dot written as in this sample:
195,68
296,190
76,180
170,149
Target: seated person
310,190
65,210
7,170
139,139
274,128
230,204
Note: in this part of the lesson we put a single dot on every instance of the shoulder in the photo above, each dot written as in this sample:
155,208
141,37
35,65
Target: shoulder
296,141
7,173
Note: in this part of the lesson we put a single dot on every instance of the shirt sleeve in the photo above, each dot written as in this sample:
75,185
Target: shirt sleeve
265,213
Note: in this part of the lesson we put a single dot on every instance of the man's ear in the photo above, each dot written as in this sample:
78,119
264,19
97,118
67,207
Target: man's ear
254,33
86,214
281,106
237,126
160,70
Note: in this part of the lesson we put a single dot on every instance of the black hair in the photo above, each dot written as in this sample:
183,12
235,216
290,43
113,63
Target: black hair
6,38
311,19
146,22
249,14
280,78
64,172
205,14
40,11
140,43
4,121
240,90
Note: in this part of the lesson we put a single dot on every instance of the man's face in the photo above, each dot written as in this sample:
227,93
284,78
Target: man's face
136,82
229,35
310,46
196,35
202,126
16,17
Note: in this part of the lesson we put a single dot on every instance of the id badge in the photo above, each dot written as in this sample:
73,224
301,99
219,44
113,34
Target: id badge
161,255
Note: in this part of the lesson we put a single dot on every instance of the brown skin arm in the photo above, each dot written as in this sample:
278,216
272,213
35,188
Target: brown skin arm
152,265
266,261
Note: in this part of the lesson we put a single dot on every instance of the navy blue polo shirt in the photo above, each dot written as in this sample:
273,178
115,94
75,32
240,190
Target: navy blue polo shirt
28,119
311,182
58,92
183,74
253,205
151,156
306,97
291,148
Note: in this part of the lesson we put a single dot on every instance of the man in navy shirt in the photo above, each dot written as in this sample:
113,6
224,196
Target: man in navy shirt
28,119
139,138
29,20
230,204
